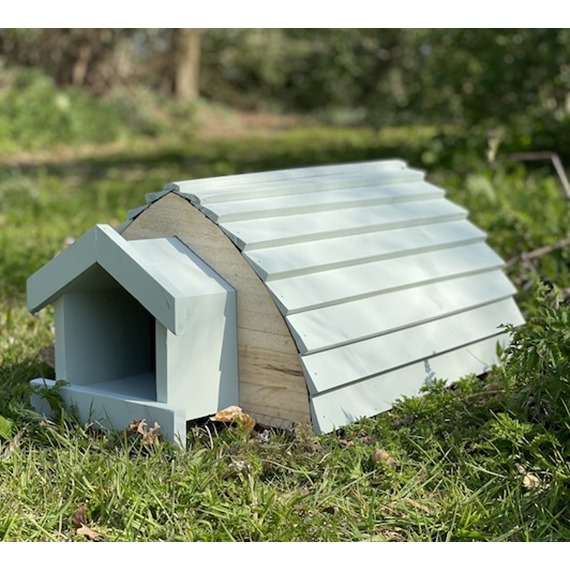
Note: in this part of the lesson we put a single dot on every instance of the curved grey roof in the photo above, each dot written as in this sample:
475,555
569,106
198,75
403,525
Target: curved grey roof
383,282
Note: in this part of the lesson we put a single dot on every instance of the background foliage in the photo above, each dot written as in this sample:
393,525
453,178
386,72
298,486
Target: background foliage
507,84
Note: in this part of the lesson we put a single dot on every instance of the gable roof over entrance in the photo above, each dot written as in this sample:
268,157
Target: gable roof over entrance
162,274
382,281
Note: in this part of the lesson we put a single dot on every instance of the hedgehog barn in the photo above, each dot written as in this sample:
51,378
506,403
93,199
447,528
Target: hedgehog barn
318,294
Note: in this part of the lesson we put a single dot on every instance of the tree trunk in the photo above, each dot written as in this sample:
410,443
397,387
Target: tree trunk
186,47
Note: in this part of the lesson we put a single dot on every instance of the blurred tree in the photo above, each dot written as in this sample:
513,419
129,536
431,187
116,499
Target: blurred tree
305,70
79,57
186,60
479,78
508,87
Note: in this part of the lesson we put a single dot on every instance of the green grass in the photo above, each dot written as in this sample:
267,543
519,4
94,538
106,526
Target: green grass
476,462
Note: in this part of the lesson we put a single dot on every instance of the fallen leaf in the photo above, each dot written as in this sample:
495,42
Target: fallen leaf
87,532
531,481
234,414
151,436
79,523
382,456
227,414
148,436
134,426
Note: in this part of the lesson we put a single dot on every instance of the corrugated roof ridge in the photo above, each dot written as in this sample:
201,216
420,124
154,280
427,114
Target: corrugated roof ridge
319,201
275,188
299,172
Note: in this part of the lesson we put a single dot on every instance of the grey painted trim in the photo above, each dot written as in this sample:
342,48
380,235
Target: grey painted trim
157,272
111,411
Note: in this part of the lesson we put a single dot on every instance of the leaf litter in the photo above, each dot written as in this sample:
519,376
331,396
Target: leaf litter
234,414
79,523
148,436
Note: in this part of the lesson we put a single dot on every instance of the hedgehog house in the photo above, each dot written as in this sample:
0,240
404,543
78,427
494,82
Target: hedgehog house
318,294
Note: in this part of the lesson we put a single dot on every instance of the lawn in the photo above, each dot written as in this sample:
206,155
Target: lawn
484,460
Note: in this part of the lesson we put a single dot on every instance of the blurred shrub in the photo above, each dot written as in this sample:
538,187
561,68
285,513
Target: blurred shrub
38,115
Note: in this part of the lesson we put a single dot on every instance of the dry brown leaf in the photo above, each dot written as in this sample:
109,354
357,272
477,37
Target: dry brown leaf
382,456
134,426
79,523
234,414
228,414
87,532
149,436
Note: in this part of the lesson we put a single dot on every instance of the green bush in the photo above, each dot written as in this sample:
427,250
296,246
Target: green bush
538,365
36,114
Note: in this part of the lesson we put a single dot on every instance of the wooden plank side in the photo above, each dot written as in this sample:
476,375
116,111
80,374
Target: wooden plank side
336,325
315,200
314,290
173,215
377,394
301,258
330,369
298,228
271,404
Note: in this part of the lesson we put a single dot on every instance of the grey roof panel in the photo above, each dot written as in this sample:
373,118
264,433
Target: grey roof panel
375,271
